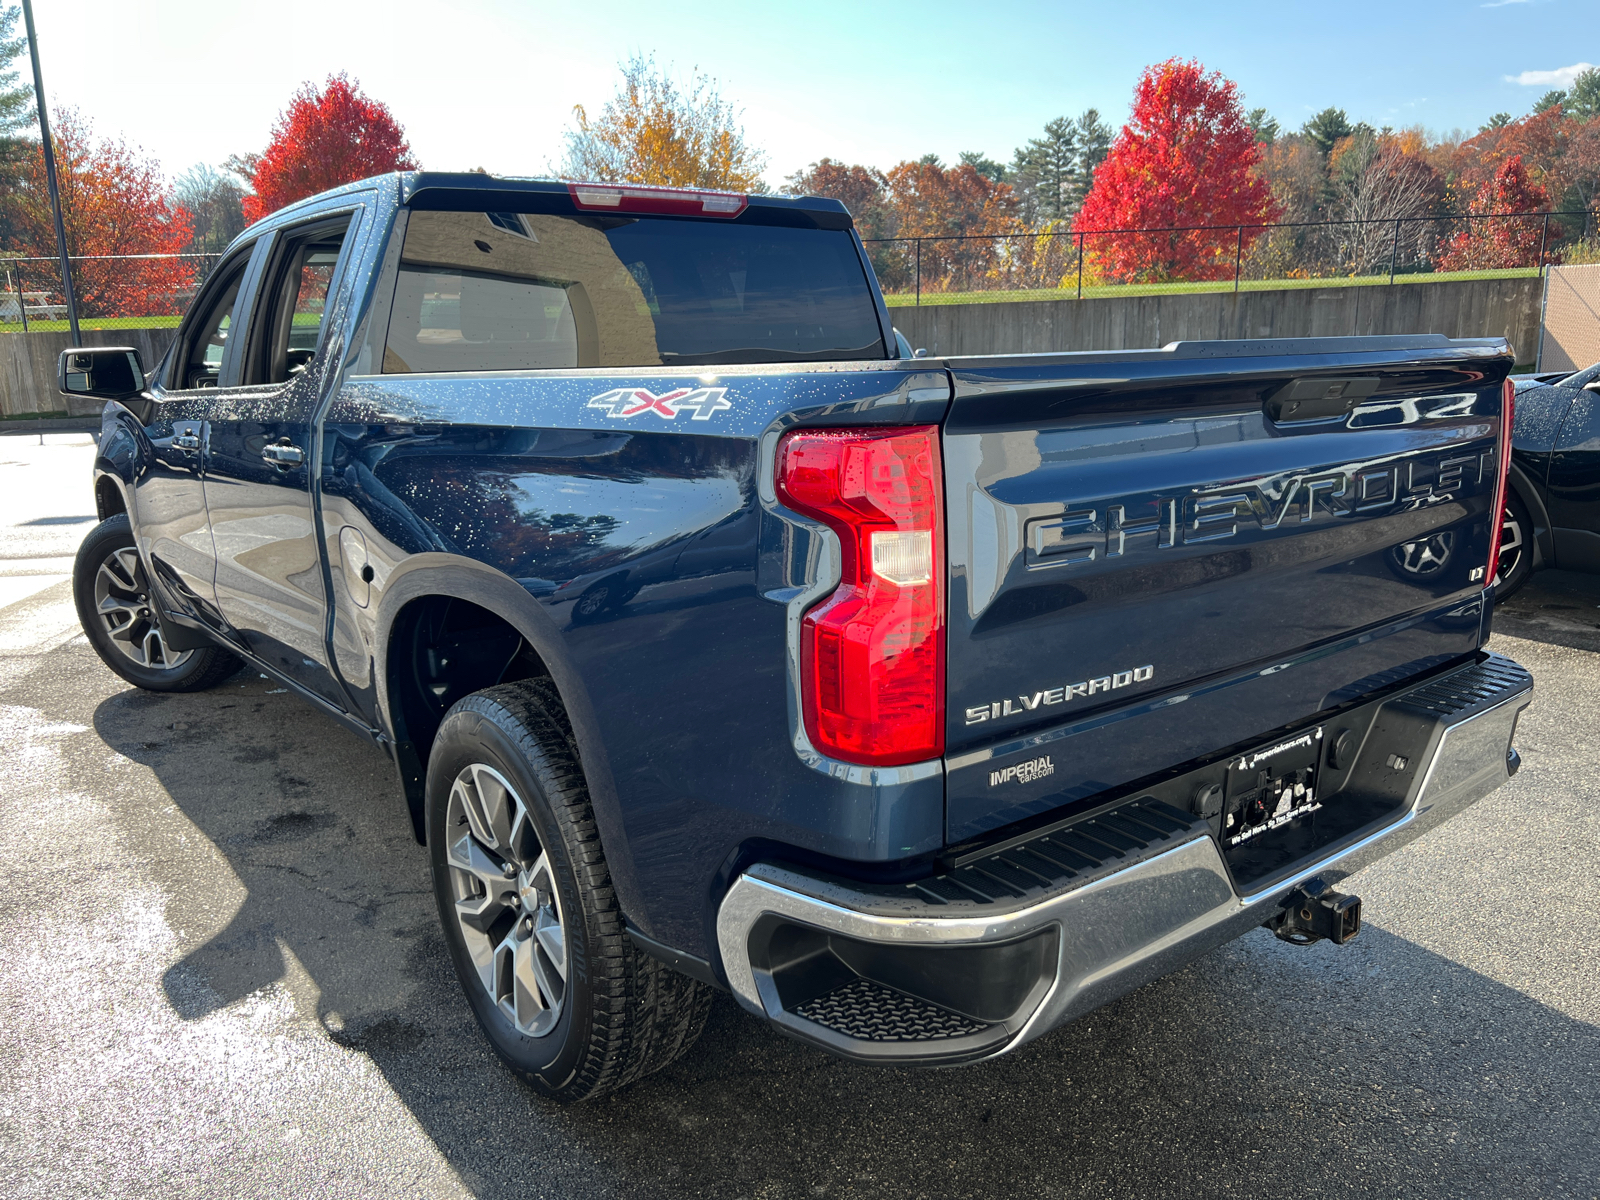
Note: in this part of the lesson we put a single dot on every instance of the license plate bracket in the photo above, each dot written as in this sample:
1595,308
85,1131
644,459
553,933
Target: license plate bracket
1270,788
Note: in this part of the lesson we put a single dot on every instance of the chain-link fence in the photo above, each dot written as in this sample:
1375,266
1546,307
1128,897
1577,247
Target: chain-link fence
113,291
125,291
1058,262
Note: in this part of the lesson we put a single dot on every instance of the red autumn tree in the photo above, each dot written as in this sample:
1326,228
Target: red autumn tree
113,202
1492,243
322,140
1186,157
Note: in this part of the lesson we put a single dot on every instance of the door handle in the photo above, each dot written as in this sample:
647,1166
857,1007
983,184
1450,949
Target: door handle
283,453
187,441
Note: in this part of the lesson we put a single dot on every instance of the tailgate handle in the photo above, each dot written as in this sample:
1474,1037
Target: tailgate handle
1317,399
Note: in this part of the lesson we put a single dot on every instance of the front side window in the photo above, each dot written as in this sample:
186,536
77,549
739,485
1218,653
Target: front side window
524,291
202,365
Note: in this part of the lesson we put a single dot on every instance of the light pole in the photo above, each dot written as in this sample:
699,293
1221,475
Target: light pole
50,175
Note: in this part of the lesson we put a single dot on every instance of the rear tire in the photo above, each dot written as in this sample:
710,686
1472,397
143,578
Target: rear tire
528,907
117,611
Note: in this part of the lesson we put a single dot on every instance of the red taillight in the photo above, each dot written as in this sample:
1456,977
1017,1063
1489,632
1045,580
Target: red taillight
1497,520
872,653
677,202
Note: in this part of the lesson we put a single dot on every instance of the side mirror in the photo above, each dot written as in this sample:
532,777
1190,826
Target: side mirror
101,372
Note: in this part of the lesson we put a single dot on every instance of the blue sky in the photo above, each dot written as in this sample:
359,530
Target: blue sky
492,82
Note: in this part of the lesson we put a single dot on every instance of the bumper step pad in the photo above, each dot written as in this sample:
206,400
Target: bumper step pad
1463,694
1071,852
871,1012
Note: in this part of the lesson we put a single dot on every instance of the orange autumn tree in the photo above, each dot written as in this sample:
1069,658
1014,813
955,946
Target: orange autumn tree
653,132
1185,158
324,139
928,200
113,202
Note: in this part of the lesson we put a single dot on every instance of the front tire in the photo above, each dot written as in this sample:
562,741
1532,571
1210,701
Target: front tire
528,908
117,611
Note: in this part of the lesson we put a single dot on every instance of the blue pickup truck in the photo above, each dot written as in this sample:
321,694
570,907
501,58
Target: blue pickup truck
924,704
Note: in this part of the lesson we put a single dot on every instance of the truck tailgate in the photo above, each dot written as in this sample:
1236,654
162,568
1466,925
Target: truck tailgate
1161,555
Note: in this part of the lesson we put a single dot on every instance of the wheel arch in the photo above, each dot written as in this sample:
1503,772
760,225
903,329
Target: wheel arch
1543,540
109,497
421,584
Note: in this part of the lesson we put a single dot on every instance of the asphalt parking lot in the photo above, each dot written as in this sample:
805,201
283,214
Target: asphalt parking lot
220,975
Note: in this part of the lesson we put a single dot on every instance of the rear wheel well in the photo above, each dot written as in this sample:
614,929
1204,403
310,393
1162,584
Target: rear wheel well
442,649
108,498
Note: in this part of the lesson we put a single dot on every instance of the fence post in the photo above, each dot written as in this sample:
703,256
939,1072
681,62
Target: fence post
1080,266
22,299
1238,257
919,272
1544,235
1394,249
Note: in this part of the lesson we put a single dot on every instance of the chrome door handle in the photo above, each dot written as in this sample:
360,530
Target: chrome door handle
283,454
187,441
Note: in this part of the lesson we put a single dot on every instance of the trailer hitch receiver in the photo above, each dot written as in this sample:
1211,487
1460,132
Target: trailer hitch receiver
1315,911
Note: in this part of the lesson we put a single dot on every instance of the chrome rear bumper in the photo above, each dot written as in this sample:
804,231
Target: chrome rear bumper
1086,944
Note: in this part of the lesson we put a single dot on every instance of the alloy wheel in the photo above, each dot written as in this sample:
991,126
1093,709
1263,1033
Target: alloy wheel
506,900
1512,548
122,600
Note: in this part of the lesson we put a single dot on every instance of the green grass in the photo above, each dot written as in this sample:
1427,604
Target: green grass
123,323
92,323
1107,291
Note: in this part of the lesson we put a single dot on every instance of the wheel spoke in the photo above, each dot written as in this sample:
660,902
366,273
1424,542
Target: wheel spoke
499,807
533,997
122,568
489,806
553,939
155,649
128,632
482,890
116,604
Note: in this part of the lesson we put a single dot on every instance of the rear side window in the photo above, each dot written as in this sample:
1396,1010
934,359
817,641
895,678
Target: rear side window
518,291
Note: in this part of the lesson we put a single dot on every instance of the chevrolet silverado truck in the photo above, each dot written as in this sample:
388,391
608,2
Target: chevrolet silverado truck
924,704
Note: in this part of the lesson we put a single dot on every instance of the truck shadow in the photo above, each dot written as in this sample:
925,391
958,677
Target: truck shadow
1380,1068
1558,607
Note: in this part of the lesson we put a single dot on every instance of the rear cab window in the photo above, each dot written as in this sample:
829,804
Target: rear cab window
514,290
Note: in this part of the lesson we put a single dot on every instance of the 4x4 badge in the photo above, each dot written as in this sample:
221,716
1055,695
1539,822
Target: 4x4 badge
628,403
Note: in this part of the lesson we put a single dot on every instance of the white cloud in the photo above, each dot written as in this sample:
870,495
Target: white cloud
1561,77
1503,3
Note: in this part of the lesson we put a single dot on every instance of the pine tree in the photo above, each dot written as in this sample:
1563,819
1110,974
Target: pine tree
1094,143
994,172
1583,97
1050,165
1262,125
1326,128
16,99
